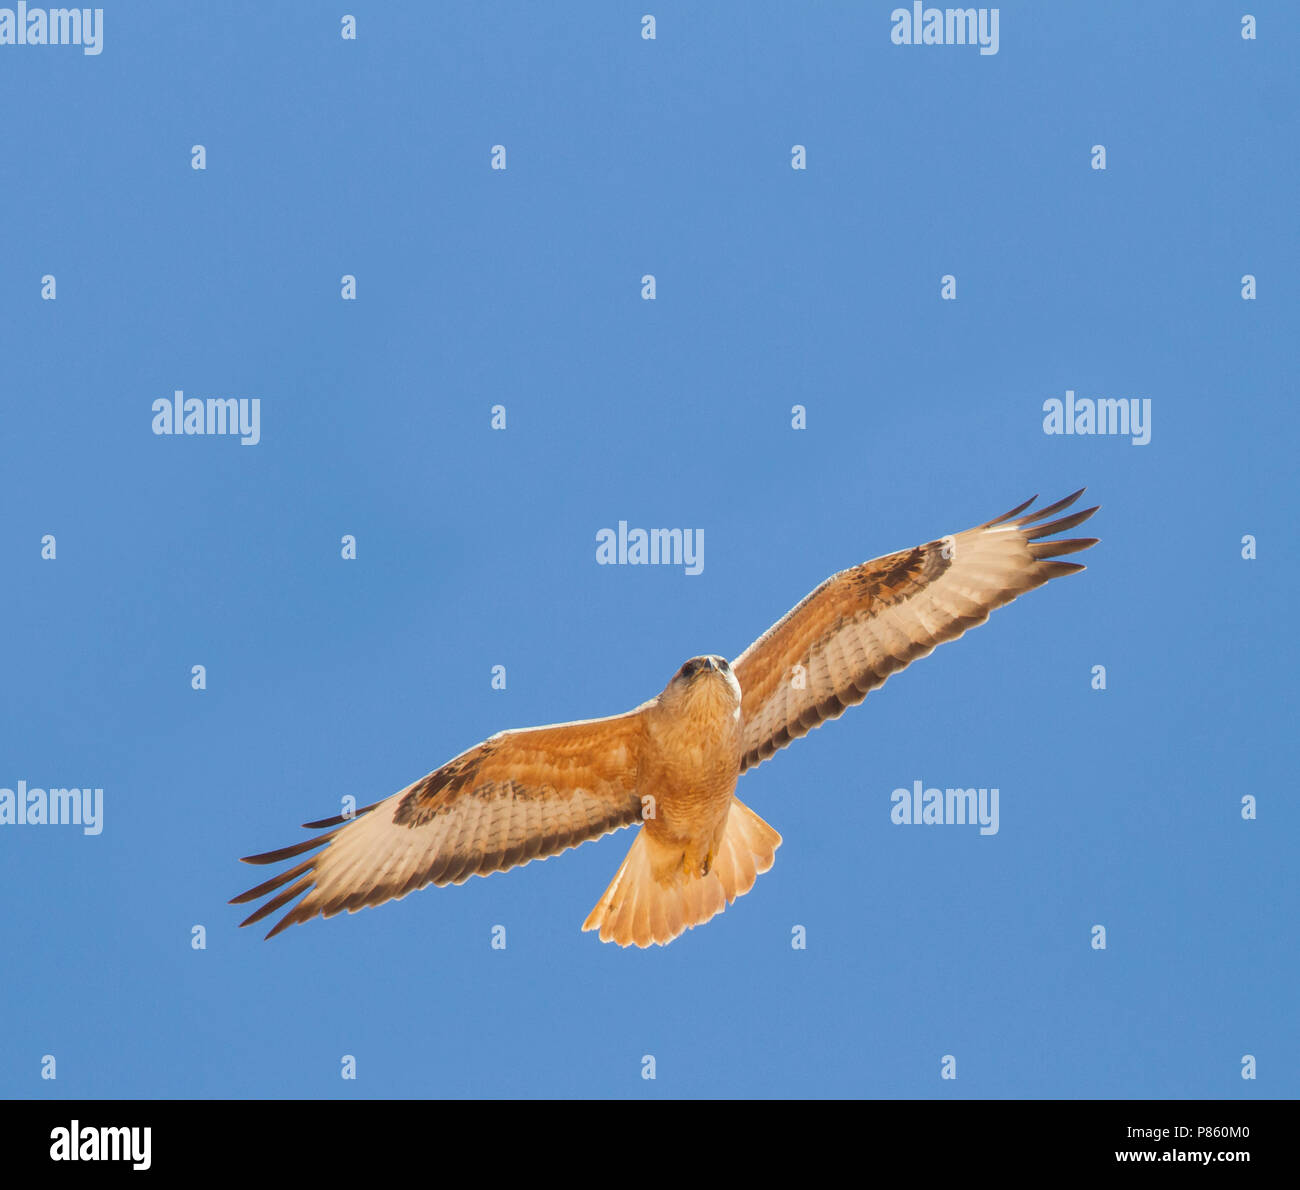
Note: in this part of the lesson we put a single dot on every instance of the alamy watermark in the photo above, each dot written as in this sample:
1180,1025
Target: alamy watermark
1122,416
210,415
651,547
85,1142
919,806
53,807
53,26
920,25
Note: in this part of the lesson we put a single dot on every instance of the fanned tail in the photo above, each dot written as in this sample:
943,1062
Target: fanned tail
639,909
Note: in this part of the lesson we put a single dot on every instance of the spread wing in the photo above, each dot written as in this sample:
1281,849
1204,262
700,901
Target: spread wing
518,796
863,624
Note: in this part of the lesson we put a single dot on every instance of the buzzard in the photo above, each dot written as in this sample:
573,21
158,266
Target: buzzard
671,764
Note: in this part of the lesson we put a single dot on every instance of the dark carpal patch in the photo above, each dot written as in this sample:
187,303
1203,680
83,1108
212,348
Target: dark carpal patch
906,574
433,795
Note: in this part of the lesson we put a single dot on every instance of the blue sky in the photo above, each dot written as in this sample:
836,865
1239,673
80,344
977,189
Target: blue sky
774,287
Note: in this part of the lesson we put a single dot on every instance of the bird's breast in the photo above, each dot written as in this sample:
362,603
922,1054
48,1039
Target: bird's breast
690,769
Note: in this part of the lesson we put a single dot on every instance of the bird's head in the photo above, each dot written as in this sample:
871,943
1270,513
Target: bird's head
705,677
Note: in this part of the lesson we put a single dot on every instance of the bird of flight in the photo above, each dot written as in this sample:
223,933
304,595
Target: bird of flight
673,762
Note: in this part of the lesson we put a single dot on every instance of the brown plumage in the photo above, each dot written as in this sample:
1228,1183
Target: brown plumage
673,762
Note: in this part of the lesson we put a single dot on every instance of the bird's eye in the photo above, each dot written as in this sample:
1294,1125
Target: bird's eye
723,664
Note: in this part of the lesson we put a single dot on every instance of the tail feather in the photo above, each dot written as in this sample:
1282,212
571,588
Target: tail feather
640,910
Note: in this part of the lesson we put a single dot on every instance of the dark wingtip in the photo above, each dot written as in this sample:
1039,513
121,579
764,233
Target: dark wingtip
1038,515
338,819
1054,569
1006,516
1037,532
283,924
274,857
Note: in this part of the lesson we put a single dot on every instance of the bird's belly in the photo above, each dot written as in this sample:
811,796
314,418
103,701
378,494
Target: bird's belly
690,800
